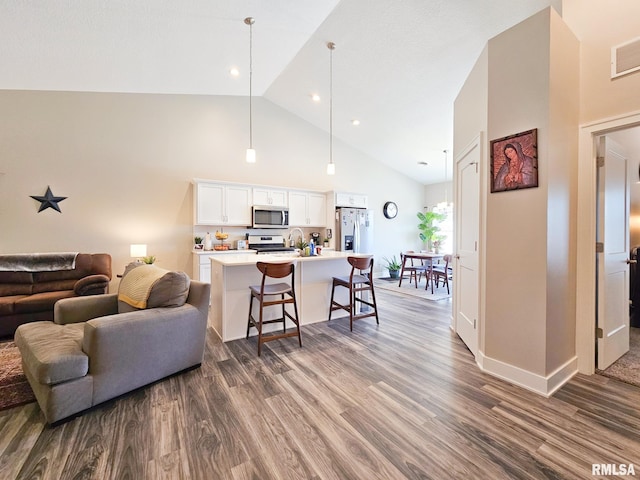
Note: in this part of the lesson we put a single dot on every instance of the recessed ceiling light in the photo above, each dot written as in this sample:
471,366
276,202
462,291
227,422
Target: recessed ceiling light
315,97
234,72
424,164
355,122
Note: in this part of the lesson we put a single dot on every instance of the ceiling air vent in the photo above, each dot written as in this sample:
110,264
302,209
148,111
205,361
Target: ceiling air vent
625,58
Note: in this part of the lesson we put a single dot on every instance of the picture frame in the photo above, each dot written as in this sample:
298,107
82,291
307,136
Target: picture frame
514,161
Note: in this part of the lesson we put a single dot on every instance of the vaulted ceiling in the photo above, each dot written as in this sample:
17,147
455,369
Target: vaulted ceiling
397,66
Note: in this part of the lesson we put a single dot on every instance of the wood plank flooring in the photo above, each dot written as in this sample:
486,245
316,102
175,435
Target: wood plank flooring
400,400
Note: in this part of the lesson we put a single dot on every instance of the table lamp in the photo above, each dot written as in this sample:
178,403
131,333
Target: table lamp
138,251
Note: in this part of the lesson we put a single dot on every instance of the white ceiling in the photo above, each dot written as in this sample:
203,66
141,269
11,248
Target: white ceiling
397,67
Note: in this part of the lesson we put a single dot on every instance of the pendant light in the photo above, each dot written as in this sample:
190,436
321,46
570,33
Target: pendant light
251,153
445,204
331,167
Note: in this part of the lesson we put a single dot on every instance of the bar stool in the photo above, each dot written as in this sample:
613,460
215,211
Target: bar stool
265,294
356,282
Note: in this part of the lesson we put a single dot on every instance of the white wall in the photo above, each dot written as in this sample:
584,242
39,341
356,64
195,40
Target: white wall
126,162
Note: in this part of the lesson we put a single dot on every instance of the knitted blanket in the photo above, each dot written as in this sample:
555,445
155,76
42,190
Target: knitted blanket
37,262
136,285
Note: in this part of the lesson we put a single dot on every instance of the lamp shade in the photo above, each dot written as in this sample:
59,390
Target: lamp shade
251,155
138,250
331,168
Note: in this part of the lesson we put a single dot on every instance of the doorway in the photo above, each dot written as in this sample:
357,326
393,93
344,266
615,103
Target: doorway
586,228
620,357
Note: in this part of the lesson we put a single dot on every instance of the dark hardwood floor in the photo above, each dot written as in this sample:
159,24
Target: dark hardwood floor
400,400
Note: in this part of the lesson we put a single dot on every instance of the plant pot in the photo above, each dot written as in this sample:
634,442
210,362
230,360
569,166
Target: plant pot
394,273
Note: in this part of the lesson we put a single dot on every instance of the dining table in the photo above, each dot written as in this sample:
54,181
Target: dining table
426,259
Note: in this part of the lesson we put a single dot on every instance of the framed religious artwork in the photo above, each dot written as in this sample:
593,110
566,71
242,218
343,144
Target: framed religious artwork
514,162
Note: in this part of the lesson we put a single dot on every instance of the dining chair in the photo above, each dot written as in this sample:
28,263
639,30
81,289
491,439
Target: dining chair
415,271
442,272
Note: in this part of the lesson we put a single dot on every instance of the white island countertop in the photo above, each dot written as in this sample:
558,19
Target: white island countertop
251,258
231,276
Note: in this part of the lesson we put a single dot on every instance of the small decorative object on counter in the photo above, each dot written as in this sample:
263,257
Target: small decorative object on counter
222,237
325,243
207,242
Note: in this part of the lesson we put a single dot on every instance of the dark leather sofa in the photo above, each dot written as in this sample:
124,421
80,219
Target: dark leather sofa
29,296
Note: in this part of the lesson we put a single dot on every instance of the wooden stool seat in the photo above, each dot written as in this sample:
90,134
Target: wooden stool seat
274,294
356,282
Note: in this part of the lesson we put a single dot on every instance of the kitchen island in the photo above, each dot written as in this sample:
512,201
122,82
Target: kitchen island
231,276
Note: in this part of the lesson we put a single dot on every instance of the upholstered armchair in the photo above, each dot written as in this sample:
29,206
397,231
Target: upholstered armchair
100,347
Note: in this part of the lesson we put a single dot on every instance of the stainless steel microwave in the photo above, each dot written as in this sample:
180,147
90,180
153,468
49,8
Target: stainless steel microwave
270,217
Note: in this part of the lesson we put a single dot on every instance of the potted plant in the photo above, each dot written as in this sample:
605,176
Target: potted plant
427,227
393,266
437,242
325,243
150,259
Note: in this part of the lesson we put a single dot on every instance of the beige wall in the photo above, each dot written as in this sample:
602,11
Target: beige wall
562,154
600,25
126,162
516,221
528,313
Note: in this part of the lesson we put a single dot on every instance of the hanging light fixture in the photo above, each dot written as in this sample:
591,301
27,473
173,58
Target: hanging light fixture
331,167
251,153
445,204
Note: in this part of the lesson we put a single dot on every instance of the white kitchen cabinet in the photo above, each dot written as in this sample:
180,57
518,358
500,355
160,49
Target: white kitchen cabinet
269,196
202,262
307,209
354,200
222,204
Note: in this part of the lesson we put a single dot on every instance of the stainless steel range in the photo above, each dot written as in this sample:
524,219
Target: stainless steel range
268,244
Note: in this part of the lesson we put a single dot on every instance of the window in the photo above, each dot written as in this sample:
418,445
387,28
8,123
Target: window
446,226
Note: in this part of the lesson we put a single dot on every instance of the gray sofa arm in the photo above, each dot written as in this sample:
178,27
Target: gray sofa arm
132,349
82,309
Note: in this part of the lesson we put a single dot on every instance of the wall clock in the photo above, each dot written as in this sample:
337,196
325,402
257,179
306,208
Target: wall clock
390,210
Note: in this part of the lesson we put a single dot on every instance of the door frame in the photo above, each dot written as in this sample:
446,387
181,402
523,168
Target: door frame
586,235
476,143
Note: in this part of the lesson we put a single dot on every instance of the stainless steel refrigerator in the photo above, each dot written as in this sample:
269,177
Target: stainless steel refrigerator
354,230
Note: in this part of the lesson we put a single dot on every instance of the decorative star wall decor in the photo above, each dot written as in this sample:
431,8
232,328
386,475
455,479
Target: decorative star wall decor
48,201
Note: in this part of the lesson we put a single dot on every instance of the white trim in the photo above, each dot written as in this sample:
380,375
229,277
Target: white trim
586,235
546,386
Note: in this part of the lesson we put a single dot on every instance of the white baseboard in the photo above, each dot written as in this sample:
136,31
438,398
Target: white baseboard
539,384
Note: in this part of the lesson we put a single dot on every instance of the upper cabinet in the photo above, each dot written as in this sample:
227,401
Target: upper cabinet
307,209
222,204
354,200
269,196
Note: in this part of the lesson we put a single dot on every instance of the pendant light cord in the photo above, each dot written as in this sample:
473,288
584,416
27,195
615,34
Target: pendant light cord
251,83
331,47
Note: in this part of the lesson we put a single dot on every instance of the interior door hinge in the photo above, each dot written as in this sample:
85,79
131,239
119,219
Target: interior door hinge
599,333
474,323
599,247
600,162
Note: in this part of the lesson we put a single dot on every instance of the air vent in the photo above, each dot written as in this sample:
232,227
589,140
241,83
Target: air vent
625,58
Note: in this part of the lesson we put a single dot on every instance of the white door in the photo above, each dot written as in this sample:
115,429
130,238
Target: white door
612,264
466,278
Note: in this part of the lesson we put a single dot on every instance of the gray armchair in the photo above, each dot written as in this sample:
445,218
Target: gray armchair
91,353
